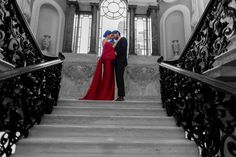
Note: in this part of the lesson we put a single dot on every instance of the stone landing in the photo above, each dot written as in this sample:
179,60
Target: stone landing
141,76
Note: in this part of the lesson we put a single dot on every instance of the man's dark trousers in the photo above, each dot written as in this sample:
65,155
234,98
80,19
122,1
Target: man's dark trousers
120,69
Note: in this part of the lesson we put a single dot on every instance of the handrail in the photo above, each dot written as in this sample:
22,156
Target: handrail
203,106
202,78
20,71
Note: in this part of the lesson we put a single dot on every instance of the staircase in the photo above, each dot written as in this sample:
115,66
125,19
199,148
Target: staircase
107,129
224,67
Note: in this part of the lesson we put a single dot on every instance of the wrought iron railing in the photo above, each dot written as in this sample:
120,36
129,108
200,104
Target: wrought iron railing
203,106
31,89
211,37
17,43
26,94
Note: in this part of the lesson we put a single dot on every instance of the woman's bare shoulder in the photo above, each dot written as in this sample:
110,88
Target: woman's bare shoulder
104,41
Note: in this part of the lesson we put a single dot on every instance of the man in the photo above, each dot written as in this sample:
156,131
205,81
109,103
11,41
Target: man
120,63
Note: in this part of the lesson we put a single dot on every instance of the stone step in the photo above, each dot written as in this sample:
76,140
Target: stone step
224,73
5,66
228,58
111,104
128,132
106,129
224,66
69,154
61,147
108,111
89,120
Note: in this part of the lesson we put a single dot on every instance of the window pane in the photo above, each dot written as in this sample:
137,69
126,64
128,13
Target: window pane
75,30
81,33
84,33
113,16
143,36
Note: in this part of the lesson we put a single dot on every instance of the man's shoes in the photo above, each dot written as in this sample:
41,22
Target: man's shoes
120,99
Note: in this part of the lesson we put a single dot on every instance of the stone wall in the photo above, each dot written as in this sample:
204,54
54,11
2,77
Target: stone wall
141,76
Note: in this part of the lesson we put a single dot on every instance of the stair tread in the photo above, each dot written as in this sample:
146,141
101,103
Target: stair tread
108,101
109,120
115,131
55,154
107,140
122,104
108,108
63,126
102,140
105,116
226,58
108,111
67,146
102,128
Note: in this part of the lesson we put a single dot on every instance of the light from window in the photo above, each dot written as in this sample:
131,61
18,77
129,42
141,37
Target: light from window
82,33
113,16
143,43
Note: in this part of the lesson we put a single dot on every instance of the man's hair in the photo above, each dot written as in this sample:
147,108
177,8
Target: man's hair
116,31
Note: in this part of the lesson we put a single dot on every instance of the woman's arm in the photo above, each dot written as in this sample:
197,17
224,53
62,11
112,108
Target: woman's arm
114,45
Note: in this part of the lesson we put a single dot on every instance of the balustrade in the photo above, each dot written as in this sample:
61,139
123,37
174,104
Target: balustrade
31,89
203,106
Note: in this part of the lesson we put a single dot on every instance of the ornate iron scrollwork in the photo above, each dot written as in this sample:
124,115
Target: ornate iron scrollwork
206,113
17,44
213,35
26,98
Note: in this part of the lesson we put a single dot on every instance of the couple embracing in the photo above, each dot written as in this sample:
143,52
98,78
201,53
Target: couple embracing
113,58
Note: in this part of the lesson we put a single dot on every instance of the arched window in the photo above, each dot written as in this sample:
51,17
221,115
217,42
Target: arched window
113,16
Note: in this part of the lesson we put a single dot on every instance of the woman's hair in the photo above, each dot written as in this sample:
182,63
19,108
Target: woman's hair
107,33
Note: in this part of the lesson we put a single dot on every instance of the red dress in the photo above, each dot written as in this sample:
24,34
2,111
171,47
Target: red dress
103,84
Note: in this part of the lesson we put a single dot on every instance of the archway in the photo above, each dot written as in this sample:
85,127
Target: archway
175,25
113,16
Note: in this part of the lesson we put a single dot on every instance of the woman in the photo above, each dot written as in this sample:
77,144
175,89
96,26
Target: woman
103,83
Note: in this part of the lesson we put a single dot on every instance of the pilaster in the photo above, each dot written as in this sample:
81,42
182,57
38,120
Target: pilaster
152,12
94,7
71,9
132,9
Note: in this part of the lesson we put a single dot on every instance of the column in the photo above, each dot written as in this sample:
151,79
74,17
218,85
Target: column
152,12
94,7
68,33
76,32
132,9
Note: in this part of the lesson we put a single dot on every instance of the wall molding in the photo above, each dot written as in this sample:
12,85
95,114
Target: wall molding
187,25
35,19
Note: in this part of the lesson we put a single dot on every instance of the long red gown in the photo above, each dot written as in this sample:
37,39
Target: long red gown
102,86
